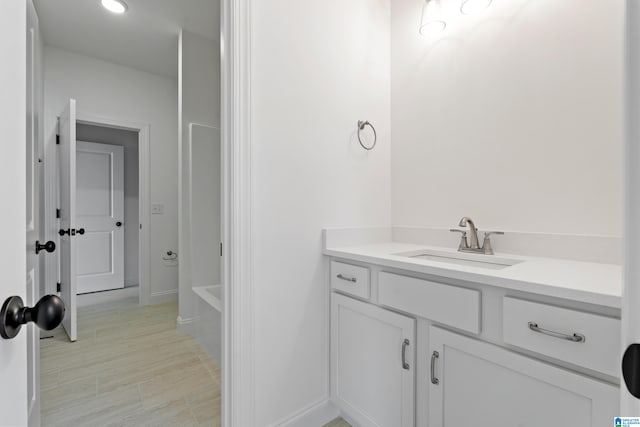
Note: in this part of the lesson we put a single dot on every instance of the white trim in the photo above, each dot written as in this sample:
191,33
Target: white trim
163,296
93,298
238,409
50,205
143,196
182,321
186,326
630,331
317,414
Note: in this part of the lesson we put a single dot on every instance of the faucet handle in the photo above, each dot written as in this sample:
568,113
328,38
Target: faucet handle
463,238
486,244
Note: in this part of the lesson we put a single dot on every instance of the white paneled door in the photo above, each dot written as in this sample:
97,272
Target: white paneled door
68,223
99,215
19,214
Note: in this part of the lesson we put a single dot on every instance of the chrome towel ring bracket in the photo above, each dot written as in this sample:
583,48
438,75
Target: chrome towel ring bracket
361,126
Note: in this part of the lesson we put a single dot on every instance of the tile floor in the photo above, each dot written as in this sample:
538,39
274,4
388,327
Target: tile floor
128,367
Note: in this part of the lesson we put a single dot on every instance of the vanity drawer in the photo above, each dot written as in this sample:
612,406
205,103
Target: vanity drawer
583,339
350,279
450,305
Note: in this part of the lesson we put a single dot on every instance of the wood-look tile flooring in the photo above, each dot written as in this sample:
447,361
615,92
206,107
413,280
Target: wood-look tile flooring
129,367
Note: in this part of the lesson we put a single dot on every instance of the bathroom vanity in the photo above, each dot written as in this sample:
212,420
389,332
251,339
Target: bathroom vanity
417,340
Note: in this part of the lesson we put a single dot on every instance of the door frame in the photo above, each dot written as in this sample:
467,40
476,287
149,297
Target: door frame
238,367
629,405
144,272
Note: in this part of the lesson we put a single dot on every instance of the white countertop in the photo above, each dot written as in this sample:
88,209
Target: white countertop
585,282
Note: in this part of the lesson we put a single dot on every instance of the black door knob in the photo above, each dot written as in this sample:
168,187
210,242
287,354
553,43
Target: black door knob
631,369
118,224
71,231
50,246
47,314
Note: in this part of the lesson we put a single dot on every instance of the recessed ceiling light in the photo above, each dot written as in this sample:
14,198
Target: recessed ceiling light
115,6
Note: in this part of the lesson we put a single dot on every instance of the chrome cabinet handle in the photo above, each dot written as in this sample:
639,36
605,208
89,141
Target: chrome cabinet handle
573,338
405,344
346,278
434,356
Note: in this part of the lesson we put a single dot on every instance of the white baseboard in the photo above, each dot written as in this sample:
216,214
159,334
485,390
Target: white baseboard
164,296
94,298
186,326
316,415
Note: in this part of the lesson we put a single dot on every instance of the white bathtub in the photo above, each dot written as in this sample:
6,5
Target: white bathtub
208,323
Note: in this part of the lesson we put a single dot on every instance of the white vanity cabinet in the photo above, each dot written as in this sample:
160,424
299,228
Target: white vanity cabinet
480,384
372,363
474,354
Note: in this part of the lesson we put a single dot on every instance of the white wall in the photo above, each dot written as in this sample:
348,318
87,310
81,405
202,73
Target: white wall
317,68
199,81
129,141
514,117
116,92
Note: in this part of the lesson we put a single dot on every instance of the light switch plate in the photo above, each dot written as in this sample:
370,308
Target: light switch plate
157,209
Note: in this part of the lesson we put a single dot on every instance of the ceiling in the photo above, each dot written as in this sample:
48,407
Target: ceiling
145,37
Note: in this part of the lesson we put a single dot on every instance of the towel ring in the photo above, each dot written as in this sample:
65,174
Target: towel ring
361,126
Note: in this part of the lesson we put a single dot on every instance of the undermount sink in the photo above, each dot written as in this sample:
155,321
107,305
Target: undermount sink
491,262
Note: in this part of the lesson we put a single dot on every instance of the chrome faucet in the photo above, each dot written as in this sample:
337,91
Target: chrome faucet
473,232
472,244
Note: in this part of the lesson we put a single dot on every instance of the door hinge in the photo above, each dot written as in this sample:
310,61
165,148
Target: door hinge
58,287
57,213
57,139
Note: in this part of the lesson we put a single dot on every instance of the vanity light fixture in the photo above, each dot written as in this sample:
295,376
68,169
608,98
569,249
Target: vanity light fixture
431,22
471,7
114,6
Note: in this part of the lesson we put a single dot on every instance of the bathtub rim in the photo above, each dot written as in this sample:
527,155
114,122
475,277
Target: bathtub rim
208,297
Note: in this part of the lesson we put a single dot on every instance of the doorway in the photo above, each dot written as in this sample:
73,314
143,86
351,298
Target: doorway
99,83
107,207
103,169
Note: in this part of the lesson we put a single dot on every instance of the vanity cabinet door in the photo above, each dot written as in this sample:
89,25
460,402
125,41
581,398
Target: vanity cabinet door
476,383
372,363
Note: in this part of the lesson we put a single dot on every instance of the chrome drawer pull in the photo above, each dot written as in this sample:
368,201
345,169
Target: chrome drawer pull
405,365
573,338
347,278
434,356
